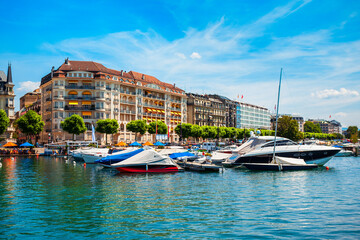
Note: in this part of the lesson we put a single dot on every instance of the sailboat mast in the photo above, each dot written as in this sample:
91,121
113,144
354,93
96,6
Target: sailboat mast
277,113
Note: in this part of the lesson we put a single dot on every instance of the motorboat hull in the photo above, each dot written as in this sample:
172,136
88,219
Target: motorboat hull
276,167
319,157
148,169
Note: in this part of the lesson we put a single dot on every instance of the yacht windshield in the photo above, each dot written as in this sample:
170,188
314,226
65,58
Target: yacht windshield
279,143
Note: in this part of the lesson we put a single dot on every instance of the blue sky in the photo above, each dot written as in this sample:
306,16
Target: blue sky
227,47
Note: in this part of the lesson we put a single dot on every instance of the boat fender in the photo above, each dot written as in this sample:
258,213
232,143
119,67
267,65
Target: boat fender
327,168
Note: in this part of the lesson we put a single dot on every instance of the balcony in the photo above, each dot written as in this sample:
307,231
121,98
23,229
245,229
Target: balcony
58,86
58,108
79,87
10,105
100,88
154,106
108,109
153,97
127,111
175,109
127,102
75,97
100,98
107,88
80,108
48,99
58,97
127,92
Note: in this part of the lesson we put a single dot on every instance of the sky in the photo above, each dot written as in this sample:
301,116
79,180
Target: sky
232,48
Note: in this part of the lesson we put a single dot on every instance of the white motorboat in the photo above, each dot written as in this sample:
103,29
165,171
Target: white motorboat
148,161
78,153
259,149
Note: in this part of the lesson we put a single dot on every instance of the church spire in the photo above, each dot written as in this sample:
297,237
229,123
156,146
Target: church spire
9,75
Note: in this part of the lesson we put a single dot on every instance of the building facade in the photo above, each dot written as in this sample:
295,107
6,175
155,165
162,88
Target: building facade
252,116
95,92
299,120
329,127
31,101
7,96
230,109
205,110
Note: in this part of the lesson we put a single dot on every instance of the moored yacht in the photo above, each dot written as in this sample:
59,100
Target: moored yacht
260,149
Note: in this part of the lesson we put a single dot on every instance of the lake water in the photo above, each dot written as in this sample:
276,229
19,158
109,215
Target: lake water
48,198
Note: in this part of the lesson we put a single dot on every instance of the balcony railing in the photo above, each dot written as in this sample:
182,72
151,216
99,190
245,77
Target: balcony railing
127,102
127,92
127,111
79,87
154,106
154,97
75,97
77,108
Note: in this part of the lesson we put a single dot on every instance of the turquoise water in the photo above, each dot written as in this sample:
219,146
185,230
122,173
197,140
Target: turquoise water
48,198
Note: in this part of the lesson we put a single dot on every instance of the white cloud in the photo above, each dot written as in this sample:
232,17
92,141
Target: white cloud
329,93
181,55
231,63
28,86
195,55
341,114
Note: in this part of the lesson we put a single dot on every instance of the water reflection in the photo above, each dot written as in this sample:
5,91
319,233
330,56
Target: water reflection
54,198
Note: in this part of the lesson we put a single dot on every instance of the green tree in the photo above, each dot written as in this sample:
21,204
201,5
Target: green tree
209,132
74,125
137,126
196,131
4,121
312,127
107,126
184,130
230,132
352,130
30,123
288,128
160,125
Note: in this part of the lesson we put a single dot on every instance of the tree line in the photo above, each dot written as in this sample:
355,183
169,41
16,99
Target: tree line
31,124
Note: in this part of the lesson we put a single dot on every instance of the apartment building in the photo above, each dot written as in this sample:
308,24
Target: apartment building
230,109
205,110
326,126
7,96
95,92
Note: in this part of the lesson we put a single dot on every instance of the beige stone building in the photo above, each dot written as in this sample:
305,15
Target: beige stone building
95,92
7,102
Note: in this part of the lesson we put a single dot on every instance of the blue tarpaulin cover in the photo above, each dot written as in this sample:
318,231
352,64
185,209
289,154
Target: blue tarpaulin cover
183,154
26,144
159,144
118,157
135,144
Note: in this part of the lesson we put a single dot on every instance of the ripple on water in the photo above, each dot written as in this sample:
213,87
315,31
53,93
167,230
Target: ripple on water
51,198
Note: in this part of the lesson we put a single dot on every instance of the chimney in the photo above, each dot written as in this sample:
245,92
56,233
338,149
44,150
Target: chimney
67,61
121,73
143,77
174,85
52,71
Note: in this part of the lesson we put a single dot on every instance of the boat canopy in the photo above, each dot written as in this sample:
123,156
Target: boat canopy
118,157
182,154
